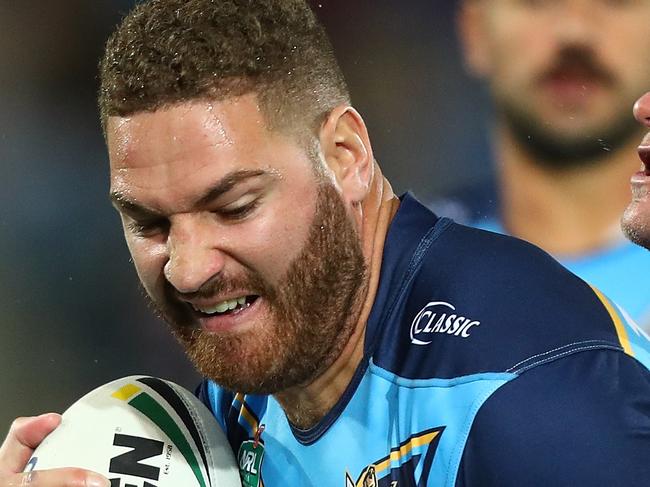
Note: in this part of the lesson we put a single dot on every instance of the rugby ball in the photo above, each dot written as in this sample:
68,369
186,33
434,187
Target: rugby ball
141,431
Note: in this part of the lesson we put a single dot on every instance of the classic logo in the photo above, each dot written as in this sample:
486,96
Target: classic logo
439,317
250,457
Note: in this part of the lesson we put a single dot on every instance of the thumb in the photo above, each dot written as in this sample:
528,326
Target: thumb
24,436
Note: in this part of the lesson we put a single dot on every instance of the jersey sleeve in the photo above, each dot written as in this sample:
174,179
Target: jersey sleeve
582,420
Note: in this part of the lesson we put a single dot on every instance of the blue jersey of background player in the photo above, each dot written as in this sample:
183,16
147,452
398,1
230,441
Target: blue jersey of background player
485,364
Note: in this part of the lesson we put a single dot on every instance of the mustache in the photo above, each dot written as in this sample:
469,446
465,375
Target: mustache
582,61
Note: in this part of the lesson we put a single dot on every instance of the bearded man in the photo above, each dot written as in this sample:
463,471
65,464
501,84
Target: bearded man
346,334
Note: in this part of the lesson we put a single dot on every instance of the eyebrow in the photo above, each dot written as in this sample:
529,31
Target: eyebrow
225,184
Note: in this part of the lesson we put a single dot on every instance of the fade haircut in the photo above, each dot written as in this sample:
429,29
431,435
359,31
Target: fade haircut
166,52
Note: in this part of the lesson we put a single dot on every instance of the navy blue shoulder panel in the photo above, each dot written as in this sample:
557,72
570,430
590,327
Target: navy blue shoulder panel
410,234
530,432
474,301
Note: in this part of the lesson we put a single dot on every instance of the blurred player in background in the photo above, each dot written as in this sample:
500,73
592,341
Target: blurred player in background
346,336
563,75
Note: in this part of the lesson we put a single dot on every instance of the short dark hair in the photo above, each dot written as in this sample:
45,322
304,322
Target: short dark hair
166,52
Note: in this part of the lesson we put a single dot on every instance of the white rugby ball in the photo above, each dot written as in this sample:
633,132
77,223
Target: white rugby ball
141,431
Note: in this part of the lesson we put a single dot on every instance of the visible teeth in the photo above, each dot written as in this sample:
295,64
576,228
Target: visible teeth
223,306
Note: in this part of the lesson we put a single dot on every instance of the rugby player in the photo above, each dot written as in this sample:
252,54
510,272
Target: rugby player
346,335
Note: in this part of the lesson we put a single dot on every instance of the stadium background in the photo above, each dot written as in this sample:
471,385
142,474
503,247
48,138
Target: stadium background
71,315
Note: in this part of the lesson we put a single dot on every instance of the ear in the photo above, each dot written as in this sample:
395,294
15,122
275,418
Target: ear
472,31
346,148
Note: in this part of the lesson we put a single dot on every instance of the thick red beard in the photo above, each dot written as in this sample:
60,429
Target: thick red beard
314,311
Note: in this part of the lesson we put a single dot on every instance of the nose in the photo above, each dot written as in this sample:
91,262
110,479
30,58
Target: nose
194,256
642,109
577,23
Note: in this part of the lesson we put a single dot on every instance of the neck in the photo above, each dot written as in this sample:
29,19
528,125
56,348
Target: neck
305,405
569,211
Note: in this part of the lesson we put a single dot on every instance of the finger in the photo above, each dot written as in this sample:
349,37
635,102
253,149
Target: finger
24,436
60,477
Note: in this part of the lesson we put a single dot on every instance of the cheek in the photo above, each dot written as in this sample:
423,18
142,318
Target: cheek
625,50
532,50
277,236
149,261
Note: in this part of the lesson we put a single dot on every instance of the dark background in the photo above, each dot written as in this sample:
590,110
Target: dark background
71,315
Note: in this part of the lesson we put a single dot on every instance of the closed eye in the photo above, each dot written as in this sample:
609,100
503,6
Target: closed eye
239,212
148,228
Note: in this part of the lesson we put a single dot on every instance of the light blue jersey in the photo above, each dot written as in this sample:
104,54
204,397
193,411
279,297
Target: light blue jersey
486,364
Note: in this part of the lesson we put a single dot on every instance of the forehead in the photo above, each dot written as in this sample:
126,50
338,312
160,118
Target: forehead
175,151
173,132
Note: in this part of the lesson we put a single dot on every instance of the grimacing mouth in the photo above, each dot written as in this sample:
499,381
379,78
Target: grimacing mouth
225,307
